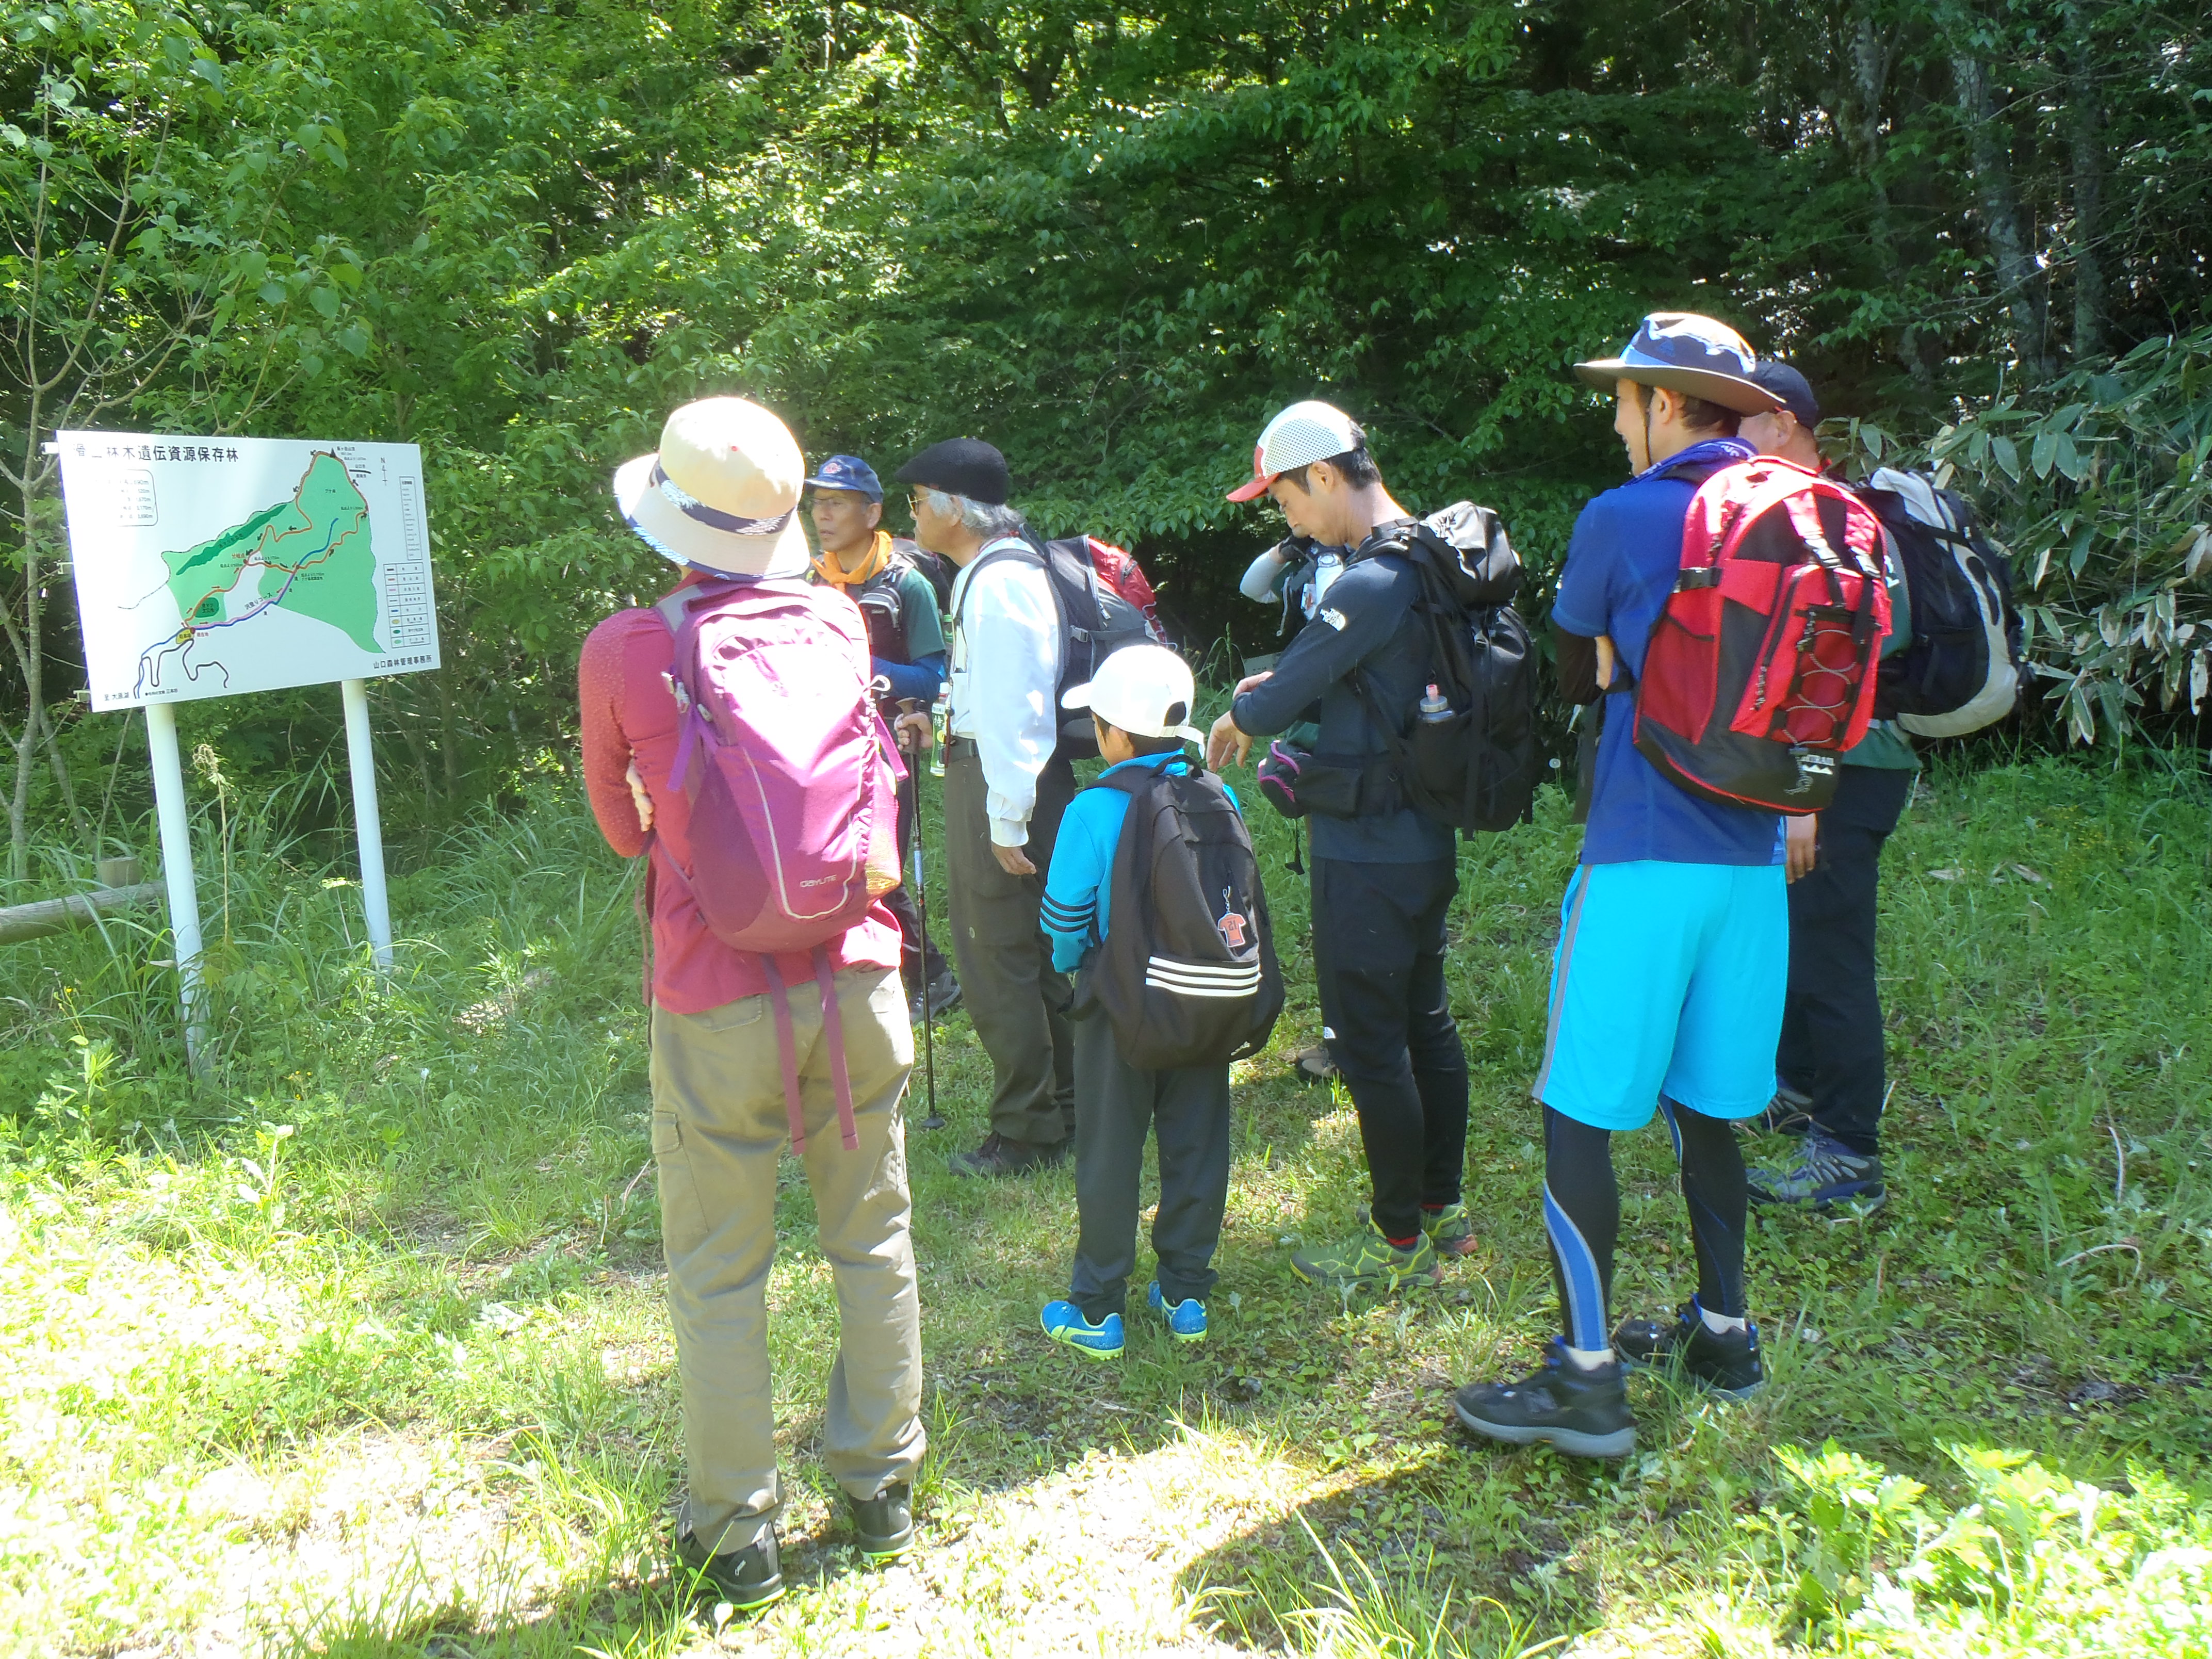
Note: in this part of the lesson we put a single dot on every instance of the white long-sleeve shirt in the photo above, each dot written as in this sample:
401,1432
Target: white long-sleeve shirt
1005,669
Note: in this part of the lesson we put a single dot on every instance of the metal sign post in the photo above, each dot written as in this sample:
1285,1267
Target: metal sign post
177,870
370,828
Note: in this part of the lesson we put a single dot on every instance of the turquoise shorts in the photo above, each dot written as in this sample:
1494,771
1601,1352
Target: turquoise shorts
1667,979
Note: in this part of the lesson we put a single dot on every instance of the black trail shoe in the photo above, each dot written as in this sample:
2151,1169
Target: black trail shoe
747,1578
1584,1414
1726,1362
884,1522
1789,1113
998,1156
942,997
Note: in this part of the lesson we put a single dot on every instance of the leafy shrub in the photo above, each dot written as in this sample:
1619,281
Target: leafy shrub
2031,1563
2099,485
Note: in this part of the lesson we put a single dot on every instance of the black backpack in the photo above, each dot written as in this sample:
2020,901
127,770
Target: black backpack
1096,619
1476,768
1964,666
1187,973
940,570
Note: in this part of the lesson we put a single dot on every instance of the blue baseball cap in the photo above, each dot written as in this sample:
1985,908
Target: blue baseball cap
1795,390
848,472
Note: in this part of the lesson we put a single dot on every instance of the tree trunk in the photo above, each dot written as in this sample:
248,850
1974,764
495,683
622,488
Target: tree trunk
2086,135
79,824
449,744
2018,280
33,654
1859,116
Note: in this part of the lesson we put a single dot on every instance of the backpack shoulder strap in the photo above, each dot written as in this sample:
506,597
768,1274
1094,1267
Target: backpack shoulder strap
1006,547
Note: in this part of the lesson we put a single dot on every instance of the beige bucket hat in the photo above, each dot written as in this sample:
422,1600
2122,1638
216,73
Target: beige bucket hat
721,492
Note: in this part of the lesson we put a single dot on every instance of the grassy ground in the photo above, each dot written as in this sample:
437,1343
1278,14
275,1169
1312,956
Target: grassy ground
359,1347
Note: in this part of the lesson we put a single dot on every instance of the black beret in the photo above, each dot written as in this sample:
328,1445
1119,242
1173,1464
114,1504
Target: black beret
961,466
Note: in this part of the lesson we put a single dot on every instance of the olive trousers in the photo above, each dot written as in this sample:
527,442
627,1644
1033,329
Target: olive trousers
719,1125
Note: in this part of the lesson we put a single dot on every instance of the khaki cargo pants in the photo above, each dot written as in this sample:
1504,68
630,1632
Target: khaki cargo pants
719,1125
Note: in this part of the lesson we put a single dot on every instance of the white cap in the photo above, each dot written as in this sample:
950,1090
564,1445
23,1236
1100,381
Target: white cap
1146,690
722,492
1302,435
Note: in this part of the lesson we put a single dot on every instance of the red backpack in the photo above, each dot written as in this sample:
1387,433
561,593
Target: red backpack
1760,671
1104,603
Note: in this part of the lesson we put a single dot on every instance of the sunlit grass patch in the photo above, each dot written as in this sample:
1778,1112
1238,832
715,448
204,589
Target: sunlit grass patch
360,1346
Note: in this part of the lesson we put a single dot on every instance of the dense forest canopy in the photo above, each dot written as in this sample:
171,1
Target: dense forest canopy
1110,239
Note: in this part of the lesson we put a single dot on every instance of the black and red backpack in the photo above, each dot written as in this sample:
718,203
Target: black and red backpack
1761,669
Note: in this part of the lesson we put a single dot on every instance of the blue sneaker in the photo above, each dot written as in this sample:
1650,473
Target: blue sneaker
1186,1319
1063,1321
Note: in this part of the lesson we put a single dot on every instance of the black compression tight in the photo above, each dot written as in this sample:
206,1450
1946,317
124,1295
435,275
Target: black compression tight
1582,1215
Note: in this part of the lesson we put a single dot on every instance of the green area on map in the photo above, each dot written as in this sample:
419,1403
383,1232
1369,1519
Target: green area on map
311,555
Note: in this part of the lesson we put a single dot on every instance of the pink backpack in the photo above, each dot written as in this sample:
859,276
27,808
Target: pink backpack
793,780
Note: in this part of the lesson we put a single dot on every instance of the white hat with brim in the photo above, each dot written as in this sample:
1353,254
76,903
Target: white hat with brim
721,494
1146,690
1686,353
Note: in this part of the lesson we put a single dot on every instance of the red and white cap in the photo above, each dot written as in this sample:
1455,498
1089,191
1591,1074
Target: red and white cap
1302,435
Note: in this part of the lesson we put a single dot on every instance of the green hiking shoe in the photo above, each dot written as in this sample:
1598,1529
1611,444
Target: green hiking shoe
1450,1229
1369,1261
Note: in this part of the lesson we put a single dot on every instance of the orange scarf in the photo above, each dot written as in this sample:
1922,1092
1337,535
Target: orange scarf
879,554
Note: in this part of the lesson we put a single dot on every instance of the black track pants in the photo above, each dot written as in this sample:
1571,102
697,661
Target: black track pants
1378,932
1831,1037
920,962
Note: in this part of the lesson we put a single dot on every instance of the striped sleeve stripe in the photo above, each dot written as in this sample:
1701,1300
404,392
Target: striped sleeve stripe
1066,917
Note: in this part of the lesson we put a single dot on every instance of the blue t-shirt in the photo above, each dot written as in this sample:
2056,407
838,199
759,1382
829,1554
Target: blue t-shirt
1078,888
1621,565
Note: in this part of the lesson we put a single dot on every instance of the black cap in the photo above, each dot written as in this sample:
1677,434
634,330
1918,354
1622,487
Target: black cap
1795,390
961,466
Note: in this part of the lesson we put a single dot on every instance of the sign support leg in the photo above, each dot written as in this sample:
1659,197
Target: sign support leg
176,869
363,758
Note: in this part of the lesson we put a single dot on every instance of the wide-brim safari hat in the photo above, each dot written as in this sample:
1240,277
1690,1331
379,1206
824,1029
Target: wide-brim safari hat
721,493
1684,352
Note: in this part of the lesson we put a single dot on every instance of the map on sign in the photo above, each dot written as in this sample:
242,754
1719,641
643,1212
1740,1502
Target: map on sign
205,569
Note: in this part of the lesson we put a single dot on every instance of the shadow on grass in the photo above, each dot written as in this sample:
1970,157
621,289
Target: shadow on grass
1422,1565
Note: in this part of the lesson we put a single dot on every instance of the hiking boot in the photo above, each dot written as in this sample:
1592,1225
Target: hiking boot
1186,1319
998,1156
1726,1362
1584,1414
1312,1064
1832,1174
1788,1113
747,1578
944,997
883,1524
1064,1322
1369,1261
1450,1229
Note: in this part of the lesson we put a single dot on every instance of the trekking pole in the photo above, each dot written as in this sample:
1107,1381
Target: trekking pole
921,915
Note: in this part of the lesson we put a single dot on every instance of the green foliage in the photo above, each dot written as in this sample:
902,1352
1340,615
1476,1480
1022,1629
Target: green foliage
1109,240
2031,1563
2101,485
